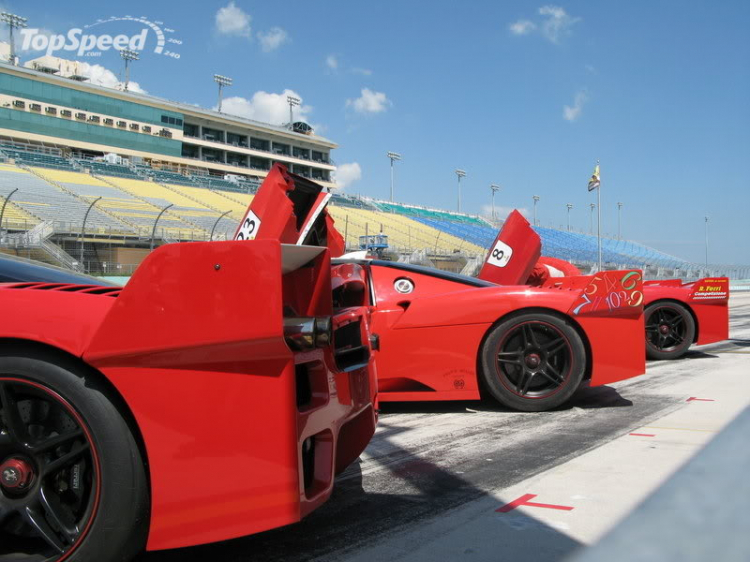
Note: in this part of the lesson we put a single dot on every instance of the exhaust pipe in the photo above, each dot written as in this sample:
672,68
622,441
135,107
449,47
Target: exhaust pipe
302,334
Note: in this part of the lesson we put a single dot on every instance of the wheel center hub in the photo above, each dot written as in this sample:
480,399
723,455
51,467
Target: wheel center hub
16,475
533,360
664,329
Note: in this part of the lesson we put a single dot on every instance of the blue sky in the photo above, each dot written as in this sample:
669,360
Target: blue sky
523,94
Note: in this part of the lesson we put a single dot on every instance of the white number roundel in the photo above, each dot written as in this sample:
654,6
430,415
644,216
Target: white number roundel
250,226
500,254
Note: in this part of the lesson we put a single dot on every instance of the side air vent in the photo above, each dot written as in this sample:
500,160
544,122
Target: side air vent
67,288
349,350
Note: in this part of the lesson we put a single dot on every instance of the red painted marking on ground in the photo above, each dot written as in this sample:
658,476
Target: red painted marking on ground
524,500
643,434
694,399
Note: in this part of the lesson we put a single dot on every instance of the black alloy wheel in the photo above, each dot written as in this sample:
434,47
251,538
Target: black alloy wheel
49,472
670,330
533,362
73,484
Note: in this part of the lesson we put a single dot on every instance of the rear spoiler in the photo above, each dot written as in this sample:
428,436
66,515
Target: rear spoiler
291,209
708,289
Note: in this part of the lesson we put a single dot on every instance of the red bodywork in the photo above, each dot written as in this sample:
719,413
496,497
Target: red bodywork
195,346
706,299
429,338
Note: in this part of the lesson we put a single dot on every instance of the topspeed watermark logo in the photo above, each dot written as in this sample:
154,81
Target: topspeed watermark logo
86,44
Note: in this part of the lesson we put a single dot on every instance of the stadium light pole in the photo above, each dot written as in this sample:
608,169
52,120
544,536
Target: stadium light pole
536,200
153,230
210,238
592,206
14,22
569,206
495,188
292,101
83,231
128,56
619,212
706,219
2,211
222,81
393,156
459,174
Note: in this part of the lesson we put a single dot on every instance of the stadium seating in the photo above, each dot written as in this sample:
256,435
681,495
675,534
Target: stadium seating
191,211
38,159
134,211
403,233
106,169
409,210
46,202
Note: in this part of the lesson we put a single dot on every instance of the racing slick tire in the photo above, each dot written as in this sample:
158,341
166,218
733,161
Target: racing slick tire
670,330
73,484
533,361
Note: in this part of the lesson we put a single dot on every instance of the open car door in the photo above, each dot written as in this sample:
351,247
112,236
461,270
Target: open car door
291,209
514,253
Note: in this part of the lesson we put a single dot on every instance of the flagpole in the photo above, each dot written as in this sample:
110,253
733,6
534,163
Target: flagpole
599,222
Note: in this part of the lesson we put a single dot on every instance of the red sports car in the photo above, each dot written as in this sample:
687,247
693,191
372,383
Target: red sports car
214,396
677,314
441,336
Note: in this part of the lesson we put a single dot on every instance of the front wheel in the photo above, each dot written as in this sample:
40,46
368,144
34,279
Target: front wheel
670,330
72,481
533,362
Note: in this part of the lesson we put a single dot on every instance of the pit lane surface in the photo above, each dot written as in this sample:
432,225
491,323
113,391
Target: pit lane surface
429,484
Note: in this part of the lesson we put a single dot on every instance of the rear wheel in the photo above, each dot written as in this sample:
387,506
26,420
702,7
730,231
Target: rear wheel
533,362
670,330
72,481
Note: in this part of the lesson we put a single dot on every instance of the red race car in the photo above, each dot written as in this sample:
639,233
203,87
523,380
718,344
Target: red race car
441,336
214,396
677,314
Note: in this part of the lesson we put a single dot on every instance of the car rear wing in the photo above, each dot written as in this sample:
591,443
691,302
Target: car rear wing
291,209
709,290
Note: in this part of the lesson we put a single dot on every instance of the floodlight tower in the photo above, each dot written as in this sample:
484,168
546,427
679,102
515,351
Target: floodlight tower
14,22
292,101
706,219
536,200
222,81
494,187
459,174
569,206
128,56
619,210
393,156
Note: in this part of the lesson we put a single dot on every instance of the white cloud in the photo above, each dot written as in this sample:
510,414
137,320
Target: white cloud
573,112
231,20
522,27
332,62
272,39
557,23
369,102
101,76
362,71
266,107
346,174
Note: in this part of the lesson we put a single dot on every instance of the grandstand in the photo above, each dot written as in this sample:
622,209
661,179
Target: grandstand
91,178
